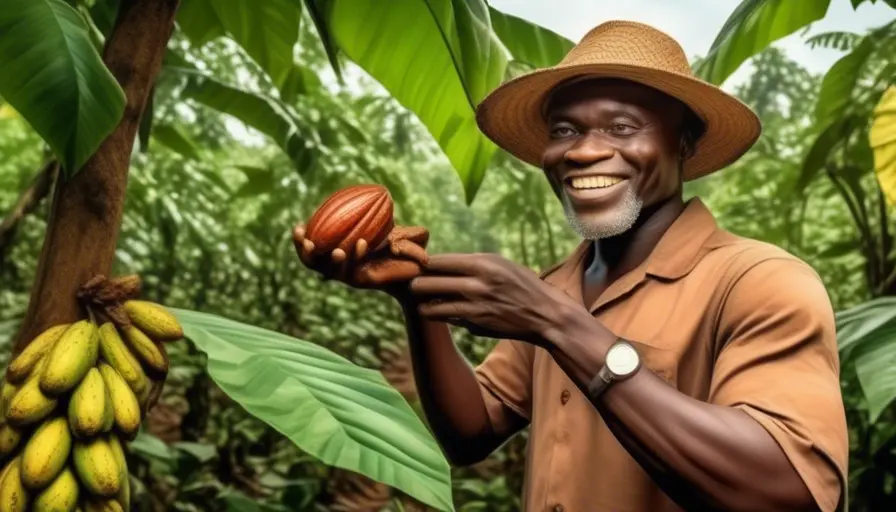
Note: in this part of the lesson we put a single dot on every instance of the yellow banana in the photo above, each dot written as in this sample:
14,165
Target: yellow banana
87,407
22,364
13,495
61,495
94,505
29,404
96,467
124,402
71,357
45,453
9,439
124,494
150,352
154,319
119,356
7,391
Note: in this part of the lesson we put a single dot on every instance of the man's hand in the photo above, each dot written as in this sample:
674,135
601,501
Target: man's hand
490,296
388,268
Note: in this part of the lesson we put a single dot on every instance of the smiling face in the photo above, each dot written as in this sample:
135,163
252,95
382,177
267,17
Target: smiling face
614,150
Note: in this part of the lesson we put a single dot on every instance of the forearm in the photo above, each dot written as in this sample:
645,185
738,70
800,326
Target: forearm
702,455
449,391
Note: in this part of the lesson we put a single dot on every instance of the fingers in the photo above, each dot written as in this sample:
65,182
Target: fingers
446,311
411,250
457,263
383,272
425,286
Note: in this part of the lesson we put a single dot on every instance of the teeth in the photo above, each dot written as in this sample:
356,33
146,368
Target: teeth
595,182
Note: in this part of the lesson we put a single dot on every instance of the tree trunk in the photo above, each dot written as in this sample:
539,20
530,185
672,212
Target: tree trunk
86,212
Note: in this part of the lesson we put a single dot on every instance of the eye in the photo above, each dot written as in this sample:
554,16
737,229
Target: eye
562,130
622,128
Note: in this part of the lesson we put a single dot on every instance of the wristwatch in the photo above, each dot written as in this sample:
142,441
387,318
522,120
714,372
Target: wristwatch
622,361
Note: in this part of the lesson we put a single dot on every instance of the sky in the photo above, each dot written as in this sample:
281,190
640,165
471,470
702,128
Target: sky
679,19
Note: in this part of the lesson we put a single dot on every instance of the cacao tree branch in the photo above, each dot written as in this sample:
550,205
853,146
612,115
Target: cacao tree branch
28,201
86,210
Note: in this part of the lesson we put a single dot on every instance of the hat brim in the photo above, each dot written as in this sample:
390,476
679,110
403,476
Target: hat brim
511,115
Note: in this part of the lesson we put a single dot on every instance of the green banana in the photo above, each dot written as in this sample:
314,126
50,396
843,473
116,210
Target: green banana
71,357
10,437
95,505
119,356
13,495
22,364
154,319
61,495
45,453
96,467
124,402
124,494
29,404
150,352
7,391
87,407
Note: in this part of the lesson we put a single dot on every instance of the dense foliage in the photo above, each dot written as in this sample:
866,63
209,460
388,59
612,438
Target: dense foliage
221,174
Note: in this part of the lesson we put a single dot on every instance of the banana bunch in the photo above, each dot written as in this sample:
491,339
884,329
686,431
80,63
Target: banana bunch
70,400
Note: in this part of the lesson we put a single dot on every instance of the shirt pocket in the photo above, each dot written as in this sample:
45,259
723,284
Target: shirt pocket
661,361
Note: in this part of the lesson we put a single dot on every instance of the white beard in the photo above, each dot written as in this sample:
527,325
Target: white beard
620,220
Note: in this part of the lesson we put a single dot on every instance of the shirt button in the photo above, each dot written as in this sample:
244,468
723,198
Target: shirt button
564,397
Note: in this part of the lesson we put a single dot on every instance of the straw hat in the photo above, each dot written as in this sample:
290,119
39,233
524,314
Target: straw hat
511,115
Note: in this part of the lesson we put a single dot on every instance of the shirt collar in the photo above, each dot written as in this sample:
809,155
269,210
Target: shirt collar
677,253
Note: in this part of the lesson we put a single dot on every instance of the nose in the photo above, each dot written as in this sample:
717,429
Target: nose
588,150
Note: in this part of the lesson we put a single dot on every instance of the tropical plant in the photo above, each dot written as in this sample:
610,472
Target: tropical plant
87,75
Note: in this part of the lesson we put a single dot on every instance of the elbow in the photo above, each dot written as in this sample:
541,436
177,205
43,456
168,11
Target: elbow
792,496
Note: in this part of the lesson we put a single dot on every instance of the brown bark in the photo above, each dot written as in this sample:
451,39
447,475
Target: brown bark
87,210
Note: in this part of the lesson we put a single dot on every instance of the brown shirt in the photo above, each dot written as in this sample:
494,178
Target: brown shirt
726,320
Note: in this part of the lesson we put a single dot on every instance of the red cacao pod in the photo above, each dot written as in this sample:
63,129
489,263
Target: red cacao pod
350,214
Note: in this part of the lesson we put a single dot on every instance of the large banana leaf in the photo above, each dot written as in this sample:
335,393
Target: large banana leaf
268,30
836,92
345,415
438,58
883,143
867,338
51,73
533,45
267,115
752,26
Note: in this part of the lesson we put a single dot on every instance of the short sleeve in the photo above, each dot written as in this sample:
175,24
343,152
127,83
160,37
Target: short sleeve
505,378
780,364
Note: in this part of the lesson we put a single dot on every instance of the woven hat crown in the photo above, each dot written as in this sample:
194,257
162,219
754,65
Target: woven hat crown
626,42
512,114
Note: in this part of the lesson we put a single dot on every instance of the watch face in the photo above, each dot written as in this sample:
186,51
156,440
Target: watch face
622,359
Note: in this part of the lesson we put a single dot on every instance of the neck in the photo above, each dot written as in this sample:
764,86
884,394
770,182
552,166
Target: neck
620,254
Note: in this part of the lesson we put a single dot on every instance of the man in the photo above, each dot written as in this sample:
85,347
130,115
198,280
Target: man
666,364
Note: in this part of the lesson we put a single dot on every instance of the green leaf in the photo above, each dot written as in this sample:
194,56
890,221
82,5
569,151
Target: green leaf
316,9
867,336
267,30
176,138
751,28
198,20
536,46
836,92
438,58
54,77
267,115
345,415
827,141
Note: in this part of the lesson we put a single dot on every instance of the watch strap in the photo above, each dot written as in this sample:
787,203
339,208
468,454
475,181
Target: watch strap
600,382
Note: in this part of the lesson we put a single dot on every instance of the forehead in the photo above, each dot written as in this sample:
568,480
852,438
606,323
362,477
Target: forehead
625,93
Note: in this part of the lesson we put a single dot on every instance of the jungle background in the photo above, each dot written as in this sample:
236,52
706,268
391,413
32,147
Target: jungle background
209,208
